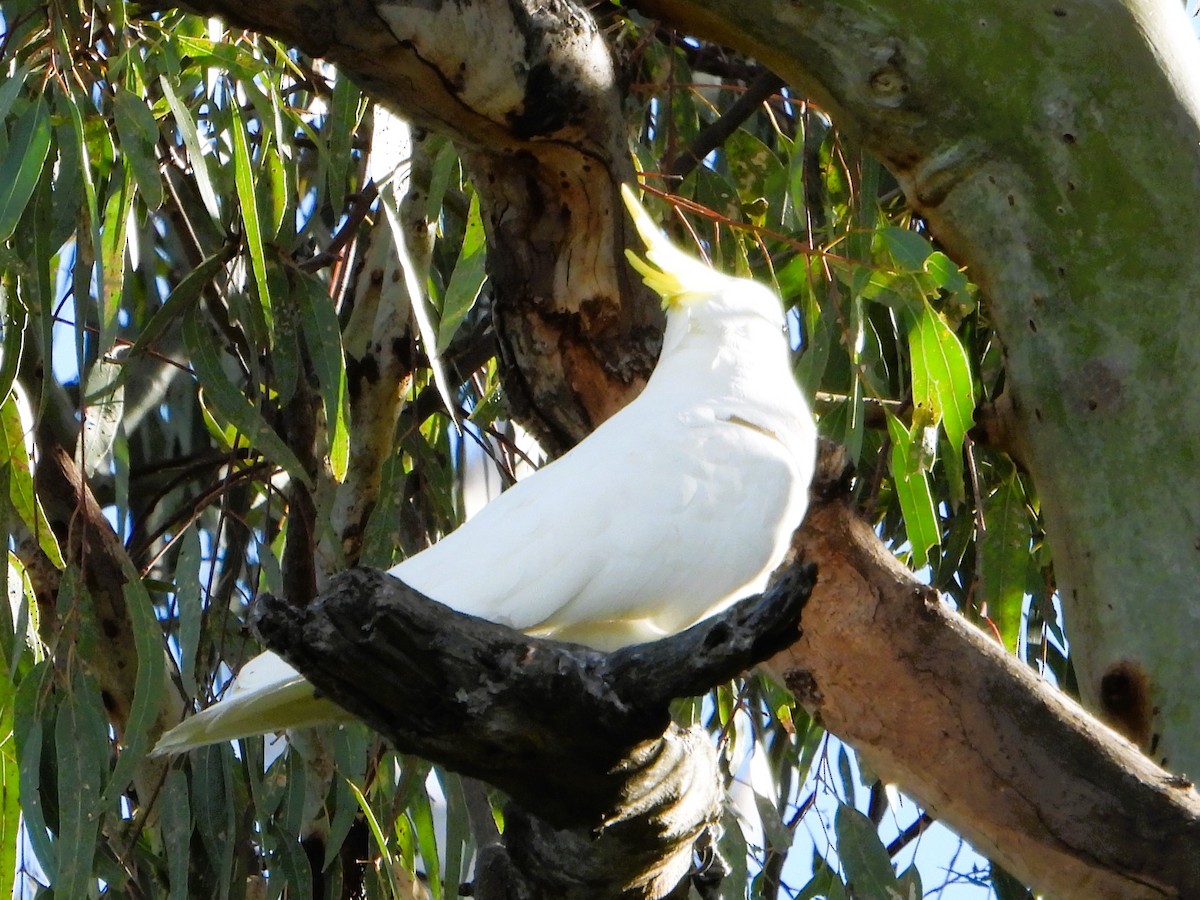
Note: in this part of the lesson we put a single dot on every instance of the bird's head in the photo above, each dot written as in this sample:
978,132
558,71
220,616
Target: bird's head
687,284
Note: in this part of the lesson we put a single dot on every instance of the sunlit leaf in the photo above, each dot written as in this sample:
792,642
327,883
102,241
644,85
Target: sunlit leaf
912,489
191,140
941,375
14,456
244,177
467,278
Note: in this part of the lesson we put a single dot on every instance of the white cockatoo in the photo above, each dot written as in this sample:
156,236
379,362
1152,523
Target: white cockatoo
677,506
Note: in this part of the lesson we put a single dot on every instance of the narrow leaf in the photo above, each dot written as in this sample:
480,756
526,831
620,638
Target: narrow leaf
113,242
190,609
10,795
138,132
868,868
148,685
34,711
185,295
1004,558
175,816
15,456
21,167
191,140
230,401
323,336
941,375
81,745
467,278
103,407
420,303
912,489
247,191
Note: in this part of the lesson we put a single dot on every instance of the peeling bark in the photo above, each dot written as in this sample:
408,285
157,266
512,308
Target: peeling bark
527,94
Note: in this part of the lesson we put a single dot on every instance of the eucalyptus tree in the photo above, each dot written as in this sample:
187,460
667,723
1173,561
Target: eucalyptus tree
270,277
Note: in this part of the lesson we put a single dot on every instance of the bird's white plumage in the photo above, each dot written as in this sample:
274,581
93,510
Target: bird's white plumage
677,506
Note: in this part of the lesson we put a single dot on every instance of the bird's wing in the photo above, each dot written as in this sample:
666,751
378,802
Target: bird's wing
601,546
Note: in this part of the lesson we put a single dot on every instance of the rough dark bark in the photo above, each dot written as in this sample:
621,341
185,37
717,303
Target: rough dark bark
610,796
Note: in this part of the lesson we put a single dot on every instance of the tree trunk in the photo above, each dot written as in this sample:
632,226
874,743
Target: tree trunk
1054,147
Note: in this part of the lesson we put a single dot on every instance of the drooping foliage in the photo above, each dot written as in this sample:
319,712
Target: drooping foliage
189,230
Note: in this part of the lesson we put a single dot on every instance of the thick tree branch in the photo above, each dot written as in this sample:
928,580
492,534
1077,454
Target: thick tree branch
936,706
611,794
1034,183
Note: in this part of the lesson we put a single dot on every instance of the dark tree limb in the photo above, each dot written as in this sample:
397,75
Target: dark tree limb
609,794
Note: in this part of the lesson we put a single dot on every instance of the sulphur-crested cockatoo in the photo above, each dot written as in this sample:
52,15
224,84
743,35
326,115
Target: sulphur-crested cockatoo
677,506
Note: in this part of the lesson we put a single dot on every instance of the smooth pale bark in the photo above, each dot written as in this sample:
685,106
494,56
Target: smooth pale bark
935,705
1054,147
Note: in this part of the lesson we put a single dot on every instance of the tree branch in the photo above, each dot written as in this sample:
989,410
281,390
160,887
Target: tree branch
610,794
936,706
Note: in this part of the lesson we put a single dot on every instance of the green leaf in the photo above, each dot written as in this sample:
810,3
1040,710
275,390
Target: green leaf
467,278
295,873
15,458
339,129
185,296
10,794
377,833
1004,558
21,168
912,489
247,191
81,752
323,337
212,803
199,161
148,685
421,815
909,249
14,321
114,237
864,858
909,884
175,816
941,375
34,710
103,408
189,606
230,402
138,132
